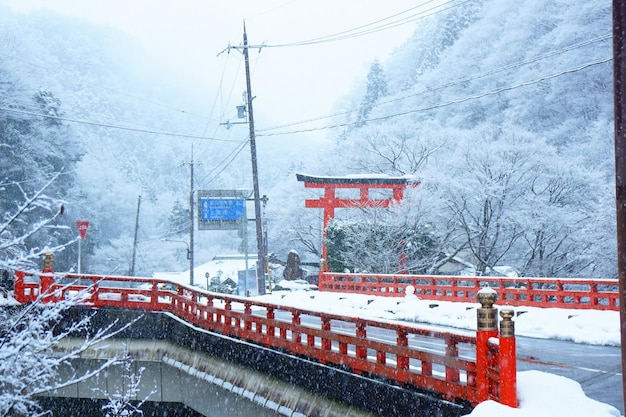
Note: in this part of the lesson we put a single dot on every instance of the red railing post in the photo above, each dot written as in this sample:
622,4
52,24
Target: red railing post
326,343
46,280
270,330
247,310
593,294
452,350
487,327
209,306
508,359
361,351
402,340
19,292
154,294
296,336
321,277
228,319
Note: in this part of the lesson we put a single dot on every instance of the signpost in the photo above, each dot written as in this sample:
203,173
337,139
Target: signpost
82,225
221,210
225,210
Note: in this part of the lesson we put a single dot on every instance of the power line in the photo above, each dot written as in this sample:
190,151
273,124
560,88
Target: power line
448,103
112,126
228,160
376,26
456,82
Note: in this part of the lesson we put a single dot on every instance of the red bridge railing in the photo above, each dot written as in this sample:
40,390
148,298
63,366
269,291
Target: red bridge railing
599,294
473,368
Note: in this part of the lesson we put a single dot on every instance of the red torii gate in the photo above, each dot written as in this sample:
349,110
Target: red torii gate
329,202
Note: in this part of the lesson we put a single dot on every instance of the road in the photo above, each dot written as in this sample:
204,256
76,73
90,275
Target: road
596,368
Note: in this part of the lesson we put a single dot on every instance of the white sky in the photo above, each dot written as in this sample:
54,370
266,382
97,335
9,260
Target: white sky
290,83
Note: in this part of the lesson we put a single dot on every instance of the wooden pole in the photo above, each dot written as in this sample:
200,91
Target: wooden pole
619,91
261,250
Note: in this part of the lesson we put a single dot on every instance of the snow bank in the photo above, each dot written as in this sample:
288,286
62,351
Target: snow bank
542,394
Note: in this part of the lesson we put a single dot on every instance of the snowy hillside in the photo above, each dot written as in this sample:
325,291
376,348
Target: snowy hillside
497,108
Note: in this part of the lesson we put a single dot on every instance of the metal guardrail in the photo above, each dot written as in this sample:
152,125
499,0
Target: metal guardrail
475,375
592,294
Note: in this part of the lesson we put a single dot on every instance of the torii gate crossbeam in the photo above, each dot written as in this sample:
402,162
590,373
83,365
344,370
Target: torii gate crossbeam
329,202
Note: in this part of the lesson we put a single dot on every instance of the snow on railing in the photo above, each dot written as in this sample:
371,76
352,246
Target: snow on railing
455,366
591,294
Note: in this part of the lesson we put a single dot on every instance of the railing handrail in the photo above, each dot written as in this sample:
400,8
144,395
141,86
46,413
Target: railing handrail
599,294
468,277
320,341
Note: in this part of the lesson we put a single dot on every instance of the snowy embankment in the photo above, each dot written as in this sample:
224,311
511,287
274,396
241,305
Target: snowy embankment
540,394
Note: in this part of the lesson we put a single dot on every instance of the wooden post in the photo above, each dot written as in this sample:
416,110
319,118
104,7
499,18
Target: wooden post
296,336
487,327
326,343
452,373
361,351
19,290
508,359
270,330
402,340
47,280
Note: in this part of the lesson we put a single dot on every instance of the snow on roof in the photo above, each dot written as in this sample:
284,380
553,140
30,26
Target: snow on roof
358,179
221,266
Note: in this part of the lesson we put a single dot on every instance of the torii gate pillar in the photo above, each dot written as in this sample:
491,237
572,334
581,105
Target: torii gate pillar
329,202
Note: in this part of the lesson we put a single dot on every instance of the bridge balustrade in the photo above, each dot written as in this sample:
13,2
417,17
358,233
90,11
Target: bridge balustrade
457,367
598,294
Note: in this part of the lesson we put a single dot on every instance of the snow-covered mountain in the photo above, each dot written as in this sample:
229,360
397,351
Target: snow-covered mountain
502,110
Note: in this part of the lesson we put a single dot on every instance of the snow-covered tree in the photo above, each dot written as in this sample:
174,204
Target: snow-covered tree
28,360
375,90
32,214
504,117
123,402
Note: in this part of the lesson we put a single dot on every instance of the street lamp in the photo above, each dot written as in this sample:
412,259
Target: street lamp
188,257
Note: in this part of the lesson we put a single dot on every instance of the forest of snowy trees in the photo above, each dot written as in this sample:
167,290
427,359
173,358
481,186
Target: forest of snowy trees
502,111
505,116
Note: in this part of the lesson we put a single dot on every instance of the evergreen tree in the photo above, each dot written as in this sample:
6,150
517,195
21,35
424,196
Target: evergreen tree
376,89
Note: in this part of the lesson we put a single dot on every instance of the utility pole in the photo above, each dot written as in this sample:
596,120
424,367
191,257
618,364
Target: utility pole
619,91
132,262
261,249
191,217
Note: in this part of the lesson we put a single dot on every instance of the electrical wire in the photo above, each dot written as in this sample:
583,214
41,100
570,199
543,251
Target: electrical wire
374,27
228,160
448,103
215,100
112,126
456,82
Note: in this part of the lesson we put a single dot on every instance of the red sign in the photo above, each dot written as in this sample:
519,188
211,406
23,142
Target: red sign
82,228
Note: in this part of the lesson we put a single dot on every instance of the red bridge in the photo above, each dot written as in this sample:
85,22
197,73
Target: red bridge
486,368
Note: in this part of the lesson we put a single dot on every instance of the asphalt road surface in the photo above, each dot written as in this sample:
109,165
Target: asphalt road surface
596,368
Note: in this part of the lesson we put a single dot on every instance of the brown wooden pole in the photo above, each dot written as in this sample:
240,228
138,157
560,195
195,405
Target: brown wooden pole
619,82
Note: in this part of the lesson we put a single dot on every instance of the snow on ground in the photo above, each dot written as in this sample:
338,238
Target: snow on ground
581,326
541,394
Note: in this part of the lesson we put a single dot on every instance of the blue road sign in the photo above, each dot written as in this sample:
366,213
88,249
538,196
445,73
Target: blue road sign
221,209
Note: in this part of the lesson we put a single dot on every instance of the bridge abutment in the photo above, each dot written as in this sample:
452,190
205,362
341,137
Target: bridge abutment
185,361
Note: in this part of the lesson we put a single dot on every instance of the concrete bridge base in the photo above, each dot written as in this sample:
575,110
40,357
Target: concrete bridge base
192,366
173,374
